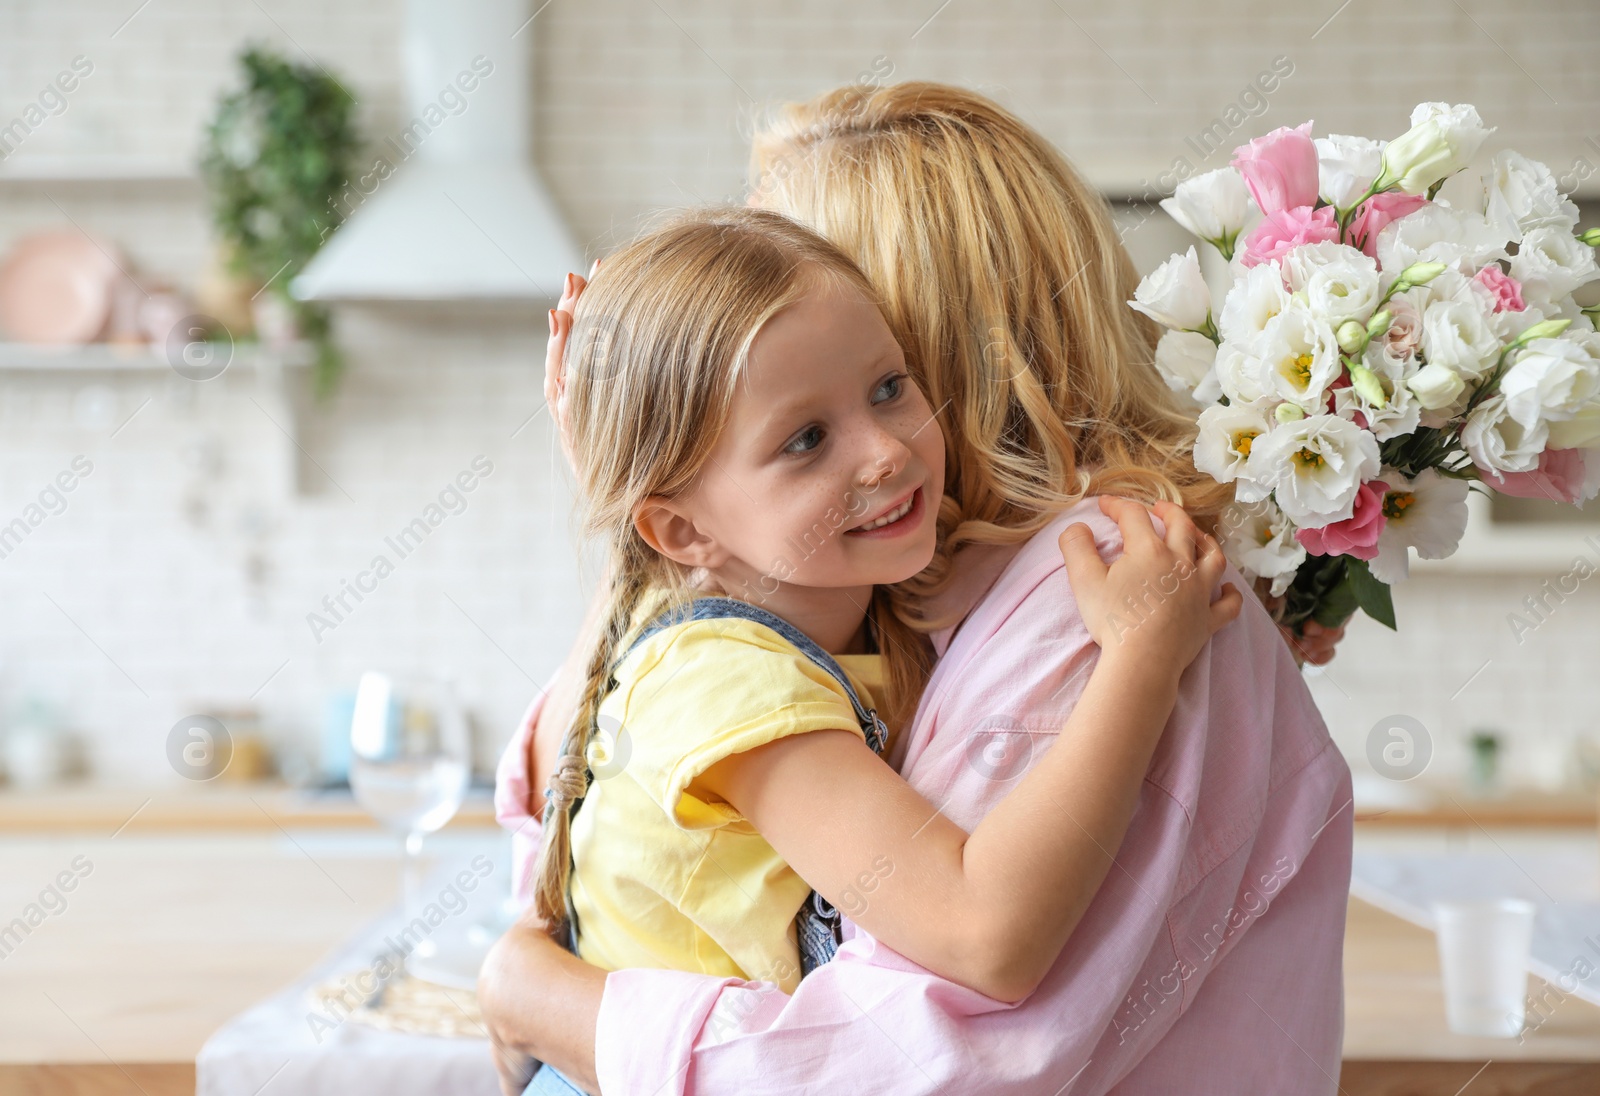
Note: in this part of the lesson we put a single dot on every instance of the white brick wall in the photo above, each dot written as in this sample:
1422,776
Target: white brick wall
637,110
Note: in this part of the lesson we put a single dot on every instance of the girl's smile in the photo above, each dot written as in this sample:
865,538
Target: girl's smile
901,519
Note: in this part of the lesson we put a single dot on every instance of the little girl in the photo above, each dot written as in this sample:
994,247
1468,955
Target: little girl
760,466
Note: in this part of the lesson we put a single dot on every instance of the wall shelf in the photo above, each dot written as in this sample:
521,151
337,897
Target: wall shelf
95,169
272,368
142,357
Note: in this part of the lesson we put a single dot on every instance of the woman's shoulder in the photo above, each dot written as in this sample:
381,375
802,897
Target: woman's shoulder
1031,604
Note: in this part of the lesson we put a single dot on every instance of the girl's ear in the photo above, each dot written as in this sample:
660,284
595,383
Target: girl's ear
668,529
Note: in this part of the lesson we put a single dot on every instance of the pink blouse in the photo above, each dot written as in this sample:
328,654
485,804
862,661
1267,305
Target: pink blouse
1209,961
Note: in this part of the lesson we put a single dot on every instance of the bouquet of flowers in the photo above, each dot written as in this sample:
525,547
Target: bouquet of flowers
1381,349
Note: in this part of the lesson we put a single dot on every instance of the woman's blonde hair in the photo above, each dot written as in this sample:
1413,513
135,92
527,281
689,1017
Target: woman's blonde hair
658,343
1004,278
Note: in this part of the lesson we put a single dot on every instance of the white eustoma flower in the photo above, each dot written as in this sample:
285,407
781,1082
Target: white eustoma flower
1259,538
1401,411
1213,206
1184,359
1581,431
1175,294
1520,195
1300,357
1346,167
1438,233
1428,513
1225,435
1497,442
1253,301
1460,336
1313,466
1554,261
1441,141
1339,282
1436,386
1551,380
1240,372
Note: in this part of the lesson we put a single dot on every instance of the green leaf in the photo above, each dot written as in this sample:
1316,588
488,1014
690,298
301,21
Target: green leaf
1371,593
1338,604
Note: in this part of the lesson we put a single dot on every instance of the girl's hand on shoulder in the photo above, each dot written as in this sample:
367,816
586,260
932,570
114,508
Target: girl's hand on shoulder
1154,602
555,370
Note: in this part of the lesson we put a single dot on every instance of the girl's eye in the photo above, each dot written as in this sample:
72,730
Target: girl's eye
889,389
805,441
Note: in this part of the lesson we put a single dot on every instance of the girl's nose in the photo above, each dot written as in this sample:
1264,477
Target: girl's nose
889,456
882,470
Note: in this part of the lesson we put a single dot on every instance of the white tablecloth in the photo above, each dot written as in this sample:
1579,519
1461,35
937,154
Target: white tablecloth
273,1049
1562,881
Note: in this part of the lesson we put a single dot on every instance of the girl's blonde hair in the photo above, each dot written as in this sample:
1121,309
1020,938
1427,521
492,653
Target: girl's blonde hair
1004,278
658,343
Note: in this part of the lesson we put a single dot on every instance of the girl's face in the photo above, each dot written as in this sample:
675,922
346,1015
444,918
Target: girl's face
831,468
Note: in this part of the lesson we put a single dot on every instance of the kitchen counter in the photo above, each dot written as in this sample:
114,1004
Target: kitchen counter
1420,804
166,936
200,807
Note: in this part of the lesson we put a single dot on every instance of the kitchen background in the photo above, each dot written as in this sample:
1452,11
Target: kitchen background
215,517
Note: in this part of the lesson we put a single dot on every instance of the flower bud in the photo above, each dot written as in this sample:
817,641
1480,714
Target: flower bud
1545,329
1591,237
1440,142
1378,326
1366,382
1421,273
1352,337
1288,412
1436,386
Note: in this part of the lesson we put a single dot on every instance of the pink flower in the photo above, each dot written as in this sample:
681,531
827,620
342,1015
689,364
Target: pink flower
1356,535
1280,169
1506,289
1562,476
1404,337
1287,229
1378,211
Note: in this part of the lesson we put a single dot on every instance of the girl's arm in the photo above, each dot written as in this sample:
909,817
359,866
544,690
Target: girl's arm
993,909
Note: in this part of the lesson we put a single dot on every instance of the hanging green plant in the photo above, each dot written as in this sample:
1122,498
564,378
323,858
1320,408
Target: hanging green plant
275,156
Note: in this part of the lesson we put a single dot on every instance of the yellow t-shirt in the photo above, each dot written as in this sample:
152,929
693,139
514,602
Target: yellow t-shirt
666,874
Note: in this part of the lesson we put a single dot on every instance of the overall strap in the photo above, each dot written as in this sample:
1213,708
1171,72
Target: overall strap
727,608
817,925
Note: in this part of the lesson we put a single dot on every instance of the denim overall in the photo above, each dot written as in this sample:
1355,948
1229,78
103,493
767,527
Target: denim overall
817,924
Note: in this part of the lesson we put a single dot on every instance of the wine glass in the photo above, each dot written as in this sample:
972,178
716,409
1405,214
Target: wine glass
409,763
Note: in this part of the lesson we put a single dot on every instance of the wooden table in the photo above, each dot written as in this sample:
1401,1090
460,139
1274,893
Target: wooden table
182,924
160,942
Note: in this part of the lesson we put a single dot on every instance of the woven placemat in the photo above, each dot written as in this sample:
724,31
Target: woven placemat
408,1004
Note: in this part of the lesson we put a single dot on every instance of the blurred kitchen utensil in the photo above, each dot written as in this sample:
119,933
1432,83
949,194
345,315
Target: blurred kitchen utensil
224,297
58,287
1483,956
36,752
410,776
160,311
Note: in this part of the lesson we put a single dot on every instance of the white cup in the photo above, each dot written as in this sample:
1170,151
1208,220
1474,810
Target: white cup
1483,955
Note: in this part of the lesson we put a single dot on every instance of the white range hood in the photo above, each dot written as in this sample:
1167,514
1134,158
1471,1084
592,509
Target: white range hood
463,216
